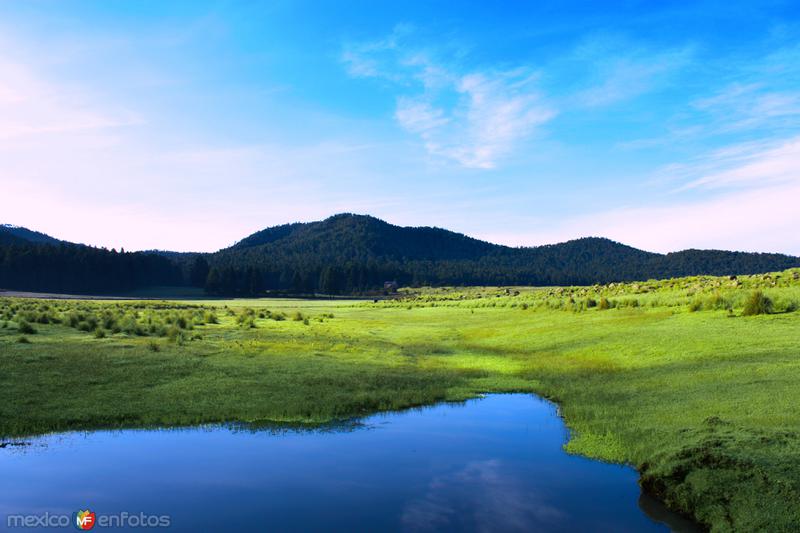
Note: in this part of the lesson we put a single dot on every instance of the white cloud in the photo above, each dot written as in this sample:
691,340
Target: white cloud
742,166
419,116
369,59
472,117
751,203
487,496
616,69
490,115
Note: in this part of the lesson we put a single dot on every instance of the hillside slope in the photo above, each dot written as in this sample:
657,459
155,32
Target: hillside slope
351,254
10,234
354,253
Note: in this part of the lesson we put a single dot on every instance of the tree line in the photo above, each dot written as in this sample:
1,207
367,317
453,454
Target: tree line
352,254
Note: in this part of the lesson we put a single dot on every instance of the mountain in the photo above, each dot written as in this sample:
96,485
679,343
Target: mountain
33,261
352,254
16,235
366,236
356,253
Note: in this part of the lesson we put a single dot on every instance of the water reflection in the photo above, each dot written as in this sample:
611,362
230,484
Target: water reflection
494,464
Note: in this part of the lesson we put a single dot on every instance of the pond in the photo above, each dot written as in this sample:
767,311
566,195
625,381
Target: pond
490,464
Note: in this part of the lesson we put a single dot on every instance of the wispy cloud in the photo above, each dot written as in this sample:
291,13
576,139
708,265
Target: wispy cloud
764,219
474,117
477,115
72,165
749,202
752,105
491,113
619,70
31,106
747,165
749,95
481,496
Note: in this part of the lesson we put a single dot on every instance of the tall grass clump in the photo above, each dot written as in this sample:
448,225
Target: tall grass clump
25,327
757,304
247,318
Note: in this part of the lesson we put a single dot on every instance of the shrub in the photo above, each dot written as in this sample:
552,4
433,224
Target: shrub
246,318
173,333
298,316
757,304
604,304
717,301
23,340
109,321
73,319
629,302
131,327
99,333
590,302
211,318
696,305
25,327
153,346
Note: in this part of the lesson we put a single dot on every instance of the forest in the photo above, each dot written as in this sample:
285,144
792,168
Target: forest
351,255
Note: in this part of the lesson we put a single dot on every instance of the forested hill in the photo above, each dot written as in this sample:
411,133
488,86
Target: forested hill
361,236
18,235
33,261
351,254
356,253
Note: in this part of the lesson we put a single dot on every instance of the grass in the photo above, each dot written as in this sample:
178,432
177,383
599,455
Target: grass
676,377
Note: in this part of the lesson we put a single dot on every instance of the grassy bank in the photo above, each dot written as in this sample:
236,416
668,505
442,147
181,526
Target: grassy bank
694,381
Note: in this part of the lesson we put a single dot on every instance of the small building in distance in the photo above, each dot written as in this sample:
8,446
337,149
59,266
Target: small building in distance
390,286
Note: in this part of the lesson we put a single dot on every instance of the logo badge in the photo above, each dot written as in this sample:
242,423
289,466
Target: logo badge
84,520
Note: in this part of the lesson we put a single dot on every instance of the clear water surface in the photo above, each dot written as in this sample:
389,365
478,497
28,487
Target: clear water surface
492,464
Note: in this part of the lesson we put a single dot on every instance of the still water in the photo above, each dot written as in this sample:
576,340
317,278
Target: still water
493,464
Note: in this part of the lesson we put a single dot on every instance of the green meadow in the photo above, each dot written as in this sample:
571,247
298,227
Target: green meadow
694,381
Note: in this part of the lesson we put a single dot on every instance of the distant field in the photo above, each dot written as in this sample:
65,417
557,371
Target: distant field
694,380
195,295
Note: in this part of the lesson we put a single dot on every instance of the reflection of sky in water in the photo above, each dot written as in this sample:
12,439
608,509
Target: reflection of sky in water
491,465
484,495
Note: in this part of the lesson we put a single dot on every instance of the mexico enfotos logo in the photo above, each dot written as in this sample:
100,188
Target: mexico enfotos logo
85,520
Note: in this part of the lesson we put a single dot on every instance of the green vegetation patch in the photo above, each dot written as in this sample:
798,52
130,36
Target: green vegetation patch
691,380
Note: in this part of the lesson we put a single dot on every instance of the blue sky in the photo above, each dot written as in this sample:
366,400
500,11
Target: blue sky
188,125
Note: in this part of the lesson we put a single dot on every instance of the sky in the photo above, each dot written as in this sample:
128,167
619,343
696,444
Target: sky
189,125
